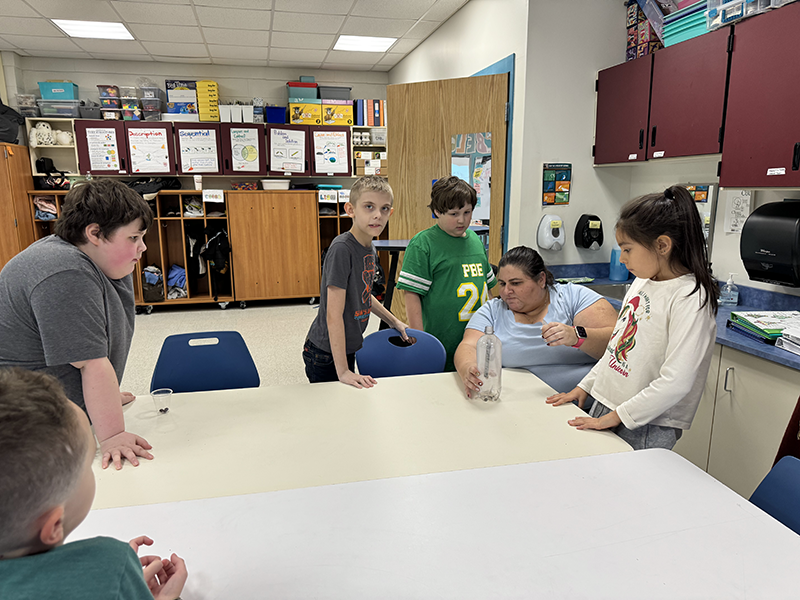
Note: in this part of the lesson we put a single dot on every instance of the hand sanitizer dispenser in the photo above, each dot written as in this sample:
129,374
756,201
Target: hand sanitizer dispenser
589,232
551,233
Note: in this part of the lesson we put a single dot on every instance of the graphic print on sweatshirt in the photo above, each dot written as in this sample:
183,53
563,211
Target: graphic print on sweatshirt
623,340
367,277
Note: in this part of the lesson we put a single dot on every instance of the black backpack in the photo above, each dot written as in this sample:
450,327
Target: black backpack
10,120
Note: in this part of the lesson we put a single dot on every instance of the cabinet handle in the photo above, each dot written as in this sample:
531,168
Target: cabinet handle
122,163
641,139
725,385
796,157
227,168
653,137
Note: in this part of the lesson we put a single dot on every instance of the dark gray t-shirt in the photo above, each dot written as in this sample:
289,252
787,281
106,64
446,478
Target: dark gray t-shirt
57,307
350,266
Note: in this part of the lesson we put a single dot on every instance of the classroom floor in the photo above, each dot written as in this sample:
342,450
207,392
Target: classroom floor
274,333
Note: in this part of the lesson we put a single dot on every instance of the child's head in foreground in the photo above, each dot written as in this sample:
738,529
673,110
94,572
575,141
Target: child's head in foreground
46,452
374,184
452,201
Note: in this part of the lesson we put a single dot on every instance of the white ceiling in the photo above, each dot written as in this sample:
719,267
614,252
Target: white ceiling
275,33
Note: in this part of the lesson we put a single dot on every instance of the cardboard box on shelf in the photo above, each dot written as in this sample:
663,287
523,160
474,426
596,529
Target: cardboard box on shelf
337,112
305,113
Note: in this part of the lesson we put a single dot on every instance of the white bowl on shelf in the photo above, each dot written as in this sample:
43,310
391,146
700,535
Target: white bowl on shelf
275,184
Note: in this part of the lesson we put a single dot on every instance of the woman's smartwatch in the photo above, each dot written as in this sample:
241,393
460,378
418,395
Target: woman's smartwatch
581,333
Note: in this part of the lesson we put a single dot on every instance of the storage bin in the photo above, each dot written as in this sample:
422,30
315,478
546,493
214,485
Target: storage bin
131,114
60,108
153,92
128,91
275,184
109,102
28,111
330,92
90,112
26,100
151,104
151,115
58,90
685,29
302,89
108,91
305,112
337,112
111,114
129,103
275,114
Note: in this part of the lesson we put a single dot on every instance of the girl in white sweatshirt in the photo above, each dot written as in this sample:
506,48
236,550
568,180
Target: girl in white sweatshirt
649,382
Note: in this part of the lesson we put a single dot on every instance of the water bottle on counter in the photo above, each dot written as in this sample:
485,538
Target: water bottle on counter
490,365
729,295
617,271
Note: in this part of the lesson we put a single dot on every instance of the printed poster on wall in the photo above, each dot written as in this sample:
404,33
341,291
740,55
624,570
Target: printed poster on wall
148,150
103,151
244,148
330,152
288,150
556,183
198,148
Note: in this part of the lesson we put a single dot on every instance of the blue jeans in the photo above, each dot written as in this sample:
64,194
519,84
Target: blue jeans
319,364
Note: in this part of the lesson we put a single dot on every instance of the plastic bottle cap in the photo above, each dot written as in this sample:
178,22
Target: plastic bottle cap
489,330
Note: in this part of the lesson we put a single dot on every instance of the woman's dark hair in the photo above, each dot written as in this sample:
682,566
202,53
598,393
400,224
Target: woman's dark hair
673,213
529,262
449,193
109,203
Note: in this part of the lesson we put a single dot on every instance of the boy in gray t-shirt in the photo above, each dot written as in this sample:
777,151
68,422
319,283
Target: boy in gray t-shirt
67,307
346,298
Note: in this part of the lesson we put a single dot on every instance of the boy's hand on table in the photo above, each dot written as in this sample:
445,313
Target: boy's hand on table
357,381
126,398
607,421
165,577
566,397
124,445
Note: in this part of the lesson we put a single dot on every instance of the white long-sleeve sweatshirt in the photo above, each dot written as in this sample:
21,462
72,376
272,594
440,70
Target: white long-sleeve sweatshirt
656,363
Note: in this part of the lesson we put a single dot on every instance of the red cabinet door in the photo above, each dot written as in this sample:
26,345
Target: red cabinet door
687,100
197,146
150,147
288,149
244,149
623,99
761,147
330,151
101,147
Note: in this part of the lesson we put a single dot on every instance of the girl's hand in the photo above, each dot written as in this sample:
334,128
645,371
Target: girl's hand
605,422
559,334
564,398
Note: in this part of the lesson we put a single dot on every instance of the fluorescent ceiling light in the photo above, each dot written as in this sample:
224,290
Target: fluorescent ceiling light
361,43
93,29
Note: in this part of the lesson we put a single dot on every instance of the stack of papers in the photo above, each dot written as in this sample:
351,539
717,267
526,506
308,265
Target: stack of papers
790,340
764,326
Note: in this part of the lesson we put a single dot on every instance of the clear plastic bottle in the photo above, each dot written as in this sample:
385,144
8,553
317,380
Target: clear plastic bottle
490,365
729,295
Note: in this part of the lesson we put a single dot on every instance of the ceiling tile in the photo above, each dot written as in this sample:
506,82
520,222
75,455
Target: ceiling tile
356,58
166,49
239,61
377,27
175,59
310,23
309,41
444,9
380,67
157,14
110,46
293,65
233,18
422,30
4,45
253,4
391,59
158,33
25,26
302,56
49,53
17,8
392,9
405,45
246,52
40,44
235,37
80,10
186,2
337,67
127,57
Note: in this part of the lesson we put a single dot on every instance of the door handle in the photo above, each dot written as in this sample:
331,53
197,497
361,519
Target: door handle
725,384
653,137
641,139
796,157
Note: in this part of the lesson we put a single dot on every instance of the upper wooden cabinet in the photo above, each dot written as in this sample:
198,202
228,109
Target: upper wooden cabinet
762,133
244,149
687,100
150,148
101,147
623,97
198,148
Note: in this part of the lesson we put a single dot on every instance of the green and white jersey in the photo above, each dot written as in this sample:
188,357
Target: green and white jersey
452,277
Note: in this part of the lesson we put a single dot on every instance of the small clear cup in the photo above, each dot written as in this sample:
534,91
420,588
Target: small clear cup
161,399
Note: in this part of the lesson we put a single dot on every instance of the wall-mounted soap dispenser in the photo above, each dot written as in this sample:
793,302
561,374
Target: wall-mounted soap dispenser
551,233
589,232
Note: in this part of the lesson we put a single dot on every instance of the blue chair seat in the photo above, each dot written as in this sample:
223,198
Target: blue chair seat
779,493
385,354
212,360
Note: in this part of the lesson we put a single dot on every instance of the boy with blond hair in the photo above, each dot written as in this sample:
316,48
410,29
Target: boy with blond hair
346,299
47,486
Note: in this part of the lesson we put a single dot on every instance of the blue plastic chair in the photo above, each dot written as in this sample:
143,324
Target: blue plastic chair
779,493
385,354
209,360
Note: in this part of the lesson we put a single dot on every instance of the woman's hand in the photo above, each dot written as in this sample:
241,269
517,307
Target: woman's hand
559,334
564,398
471,379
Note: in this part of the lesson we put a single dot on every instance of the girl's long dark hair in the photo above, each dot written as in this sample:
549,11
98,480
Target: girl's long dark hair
673,213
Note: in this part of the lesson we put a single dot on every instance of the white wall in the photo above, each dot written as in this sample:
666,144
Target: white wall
480,34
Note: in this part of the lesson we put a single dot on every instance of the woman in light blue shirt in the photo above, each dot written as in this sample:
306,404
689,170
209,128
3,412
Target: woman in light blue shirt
556,331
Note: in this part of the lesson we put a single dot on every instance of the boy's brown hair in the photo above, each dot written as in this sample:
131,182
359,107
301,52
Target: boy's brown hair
370,183
42,449
107,202
449,193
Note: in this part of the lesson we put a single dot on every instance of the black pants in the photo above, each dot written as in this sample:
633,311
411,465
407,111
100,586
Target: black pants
319,364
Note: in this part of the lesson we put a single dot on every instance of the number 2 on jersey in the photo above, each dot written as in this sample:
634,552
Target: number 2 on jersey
470,291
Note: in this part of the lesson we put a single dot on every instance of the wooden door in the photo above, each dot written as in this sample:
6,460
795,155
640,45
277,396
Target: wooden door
16,222
198,149
623,102
288,150
244,149
688,97
150,147
423,117
762,131
274,244
101,147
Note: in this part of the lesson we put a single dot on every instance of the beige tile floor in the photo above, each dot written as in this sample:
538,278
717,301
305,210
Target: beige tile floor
273,331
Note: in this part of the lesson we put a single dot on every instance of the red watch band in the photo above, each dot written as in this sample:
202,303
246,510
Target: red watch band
580,341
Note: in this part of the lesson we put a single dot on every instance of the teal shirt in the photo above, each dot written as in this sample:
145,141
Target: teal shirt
100,568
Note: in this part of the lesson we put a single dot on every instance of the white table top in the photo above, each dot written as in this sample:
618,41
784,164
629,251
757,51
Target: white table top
276,438
645,524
